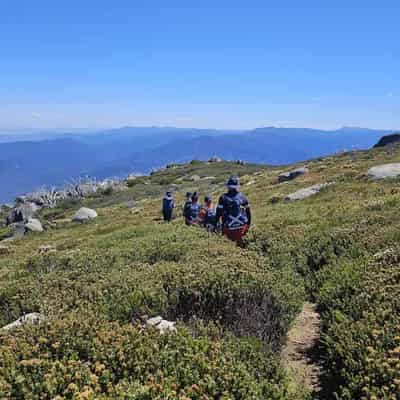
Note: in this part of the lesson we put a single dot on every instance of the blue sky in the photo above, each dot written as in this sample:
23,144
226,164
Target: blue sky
225,64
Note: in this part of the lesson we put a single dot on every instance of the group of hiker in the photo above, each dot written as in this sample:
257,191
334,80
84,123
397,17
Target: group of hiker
231,216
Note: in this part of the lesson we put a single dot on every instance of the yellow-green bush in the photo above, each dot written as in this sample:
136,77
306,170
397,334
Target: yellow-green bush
361,310
236,288
87,358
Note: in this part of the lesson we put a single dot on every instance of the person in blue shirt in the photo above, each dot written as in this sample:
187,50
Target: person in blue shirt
234,212
192,210
187,204
168,205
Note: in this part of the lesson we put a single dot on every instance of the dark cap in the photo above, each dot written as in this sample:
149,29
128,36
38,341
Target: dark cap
233,182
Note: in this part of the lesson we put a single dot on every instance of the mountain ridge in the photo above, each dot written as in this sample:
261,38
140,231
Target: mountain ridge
127,150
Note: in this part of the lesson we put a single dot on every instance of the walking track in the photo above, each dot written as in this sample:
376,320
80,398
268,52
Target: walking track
297,353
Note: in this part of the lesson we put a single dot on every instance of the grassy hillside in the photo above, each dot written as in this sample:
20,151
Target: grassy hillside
234,307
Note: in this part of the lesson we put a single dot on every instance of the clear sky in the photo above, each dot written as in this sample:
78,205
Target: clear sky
225,64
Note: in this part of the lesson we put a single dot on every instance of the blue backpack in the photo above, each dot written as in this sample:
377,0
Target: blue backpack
193,212
211,218
168,203
234,214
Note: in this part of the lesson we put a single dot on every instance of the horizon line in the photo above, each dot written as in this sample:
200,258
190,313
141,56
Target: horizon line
16,131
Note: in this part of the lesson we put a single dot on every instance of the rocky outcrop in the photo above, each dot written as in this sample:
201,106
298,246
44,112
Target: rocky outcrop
34,225
84,214
288,176
19,229
306,192
215,159
388,140
161,324
194,178
384,171
14,216
22,213
32,318
49,198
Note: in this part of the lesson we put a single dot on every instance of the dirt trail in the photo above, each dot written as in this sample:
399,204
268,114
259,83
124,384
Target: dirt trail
297,353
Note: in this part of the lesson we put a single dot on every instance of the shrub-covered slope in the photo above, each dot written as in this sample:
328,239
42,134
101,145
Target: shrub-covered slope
101,280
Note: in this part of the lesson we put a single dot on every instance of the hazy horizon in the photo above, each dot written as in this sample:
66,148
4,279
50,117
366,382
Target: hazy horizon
28,131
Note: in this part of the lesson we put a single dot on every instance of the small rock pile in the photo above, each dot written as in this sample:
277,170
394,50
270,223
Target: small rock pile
32,318
161,324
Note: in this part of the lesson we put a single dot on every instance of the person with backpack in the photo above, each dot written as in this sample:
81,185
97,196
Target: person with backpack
168,205
234,211
207,215
187,204
192,210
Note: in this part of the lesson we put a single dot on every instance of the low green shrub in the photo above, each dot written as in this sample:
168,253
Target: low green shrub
131,182
5,232
196,162
85,358
307,252
180,274
258,304
361,314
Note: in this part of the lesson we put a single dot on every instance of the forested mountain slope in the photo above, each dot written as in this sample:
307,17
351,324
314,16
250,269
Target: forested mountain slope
55,160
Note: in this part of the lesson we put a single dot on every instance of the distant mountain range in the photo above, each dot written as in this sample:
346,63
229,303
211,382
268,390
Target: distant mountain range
31,160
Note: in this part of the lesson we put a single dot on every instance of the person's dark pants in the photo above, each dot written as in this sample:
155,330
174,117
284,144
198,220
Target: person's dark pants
167,214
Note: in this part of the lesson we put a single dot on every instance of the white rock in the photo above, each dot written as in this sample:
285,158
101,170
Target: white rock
34,225
384,171
195,178
166,326
306,192
84,214
32,318
154,321
161,324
